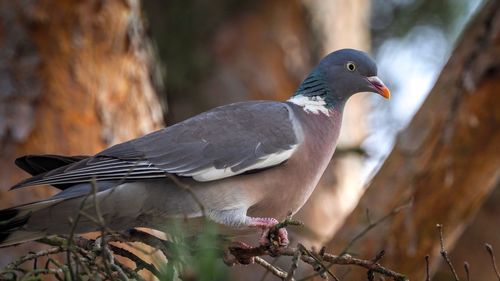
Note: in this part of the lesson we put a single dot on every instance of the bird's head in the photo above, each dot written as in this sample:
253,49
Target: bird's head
341,74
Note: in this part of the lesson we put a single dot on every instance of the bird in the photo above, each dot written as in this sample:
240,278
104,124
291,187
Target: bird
243,166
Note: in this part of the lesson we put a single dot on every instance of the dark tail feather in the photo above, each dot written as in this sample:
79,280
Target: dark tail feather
38,165
11,220
14,220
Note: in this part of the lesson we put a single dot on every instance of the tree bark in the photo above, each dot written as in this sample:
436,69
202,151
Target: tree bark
75,77
470,247
446,162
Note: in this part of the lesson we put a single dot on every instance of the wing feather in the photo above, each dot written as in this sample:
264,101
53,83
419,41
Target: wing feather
223,142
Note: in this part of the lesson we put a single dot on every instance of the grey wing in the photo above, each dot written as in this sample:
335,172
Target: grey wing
219,143
226,141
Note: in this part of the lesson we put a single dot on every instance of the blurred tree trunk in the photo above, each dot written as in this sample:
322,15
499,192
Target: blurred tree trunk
75,77
470,246
263,50
447,161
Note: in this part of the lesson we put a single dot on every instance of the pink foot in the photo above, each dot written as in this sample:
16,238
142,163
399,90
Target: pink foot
266,224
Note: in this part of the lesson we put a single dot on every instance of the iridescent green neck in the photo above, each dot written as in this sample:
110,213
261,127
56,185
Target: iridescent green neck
315,85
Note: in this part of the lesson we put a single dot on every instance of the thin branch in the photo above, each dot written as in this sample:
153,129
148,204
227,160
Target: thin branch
294,266
427,274
271,268
370,226
489,249
33,256
45,271
247,253
187,188
88,244
134,235
139,263
349,260
132,273
266,272
467,270
58,267
97,210
84,262
111,260
444,253
74,223
378,257
374,224
318,261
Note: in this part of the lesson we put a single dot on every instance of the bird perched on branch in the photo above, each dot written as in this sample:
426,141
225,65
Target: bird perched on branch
243,165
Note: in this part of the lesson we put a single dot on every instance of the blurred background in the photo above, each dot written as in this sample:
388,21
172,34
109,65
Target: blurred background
78,77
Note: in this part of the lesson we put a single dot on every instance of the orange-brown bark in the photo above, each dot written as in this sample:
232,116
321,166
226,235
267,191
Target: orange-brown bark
447,161
75,78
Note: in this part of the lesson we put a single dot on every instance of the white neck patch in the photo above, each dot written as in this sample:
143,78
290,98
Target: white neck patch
313,104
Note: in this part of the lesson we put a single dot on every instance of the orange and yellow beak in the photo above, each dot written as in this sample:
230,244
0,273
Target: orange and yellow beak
379,87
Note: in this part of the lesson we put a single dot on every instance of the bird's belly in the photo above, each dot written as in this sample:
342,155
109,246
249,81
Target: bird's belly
285,192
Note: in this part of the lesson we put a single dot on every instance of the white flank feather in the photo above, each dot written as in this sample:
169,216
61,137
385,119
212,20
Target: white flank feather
212,173
313,104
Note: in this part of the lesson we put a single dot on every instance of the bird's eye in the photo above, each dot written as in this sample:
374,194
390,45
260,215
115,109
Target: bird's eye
350,66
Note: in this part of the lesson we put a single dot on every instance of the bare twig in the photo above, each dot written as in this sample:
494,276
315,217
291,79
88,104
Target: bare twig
345,259
371,225
88,244
113,265
378,257
289,221
45,271
489,249
97,210
33,256
134,235
444,253
267,272
319,261
74,223
271,268
427,274
99,221
467,270
139,263
294,266
189,190
58,266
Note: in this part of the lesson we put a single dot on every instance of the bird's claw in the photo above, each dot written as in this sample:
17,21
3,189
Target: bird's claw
271,235
275,237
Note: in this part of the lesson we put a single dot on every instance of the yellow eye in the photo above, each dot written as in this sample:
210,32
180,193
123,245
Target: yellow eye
350,66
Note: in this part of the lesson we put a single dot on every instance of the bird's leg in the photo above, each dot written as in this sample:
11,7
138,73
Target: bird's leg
266,224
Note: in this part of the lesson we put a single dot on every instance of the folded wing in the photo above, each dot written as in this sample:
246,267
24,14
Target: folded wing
220,143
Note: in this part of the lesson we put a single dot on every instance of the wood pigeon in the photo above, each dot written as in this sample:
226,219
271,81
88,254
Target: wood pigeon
242,165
